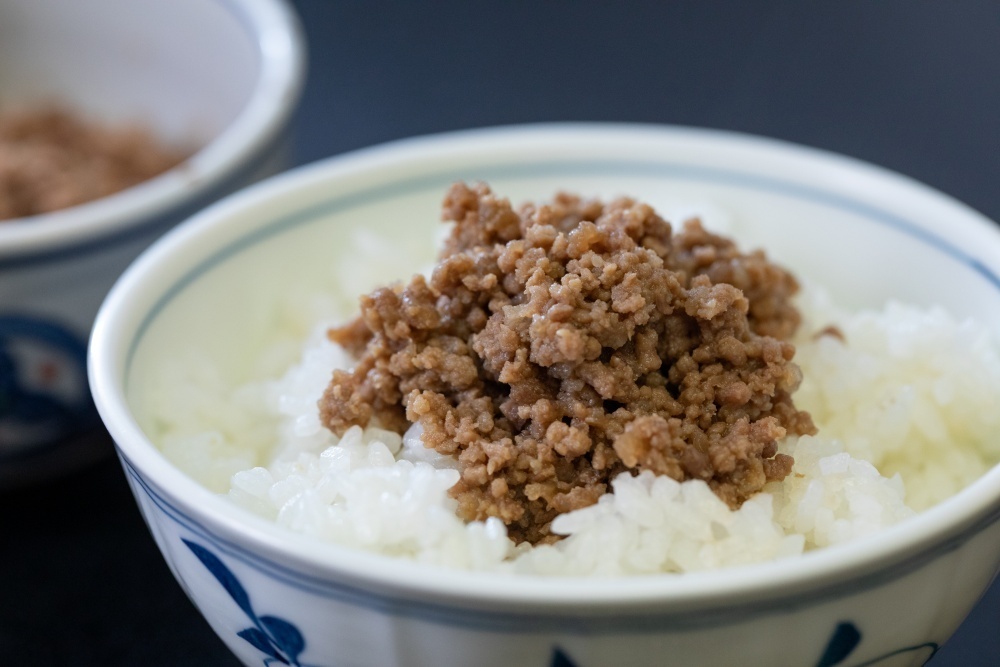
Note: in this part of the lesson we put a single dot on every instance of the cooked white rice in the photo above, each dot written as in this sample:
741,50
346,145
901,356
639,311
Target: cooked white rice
903,409
914,392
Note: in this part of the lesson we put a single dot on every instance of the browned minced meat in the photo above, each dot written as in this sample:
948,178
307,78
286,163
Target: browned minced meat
830,330
51,159
556,347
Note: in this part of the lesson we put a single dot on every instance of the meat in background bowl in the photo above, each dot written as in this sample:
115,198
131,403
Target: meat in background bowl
216,292
216,79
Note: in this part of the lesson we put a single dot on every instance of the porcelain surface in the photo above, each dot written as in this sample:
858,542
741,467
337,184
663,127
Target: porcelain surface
220,283
219,78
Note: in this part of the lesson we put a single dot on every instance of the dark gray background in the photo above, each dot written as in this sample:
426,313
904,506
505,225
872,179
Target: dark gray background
912,86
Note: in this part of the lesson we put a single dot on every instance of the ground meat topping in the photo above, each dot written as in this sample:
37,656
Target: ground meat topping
51,159
557,346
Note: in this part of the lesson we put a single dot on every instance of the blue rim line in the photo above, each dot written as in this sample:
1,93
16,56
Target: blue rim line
636,623
315,213
639,622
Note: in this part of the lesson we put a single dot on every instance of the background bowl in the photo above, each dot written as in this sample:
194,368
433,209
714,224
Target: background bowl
217,287
219,77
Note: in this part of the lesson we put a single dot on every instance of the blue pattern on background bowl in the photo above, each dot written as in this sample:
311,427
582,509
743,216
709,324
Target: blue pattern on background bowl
226,90
865,233
44,397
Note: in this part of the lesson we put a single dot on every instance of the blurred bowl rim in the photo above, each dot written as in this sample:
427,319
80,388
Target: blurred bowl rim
280,43
892,552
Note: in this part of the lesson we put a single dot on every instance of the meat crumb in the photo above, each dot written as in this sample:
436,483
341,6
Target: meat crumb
51,159
832,331
556,346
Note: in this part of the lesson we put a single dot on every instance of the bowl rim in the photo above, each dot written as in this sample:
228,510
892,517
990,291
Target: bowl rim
894,550
279,42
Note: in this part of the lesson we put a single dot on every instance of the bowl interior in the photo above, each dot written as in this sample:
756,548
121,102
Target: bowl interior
267,264
347,234
185,68
218,78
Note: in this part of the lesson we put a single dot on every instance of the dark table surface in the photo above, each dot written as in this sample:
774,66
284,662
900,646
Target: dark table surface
909,85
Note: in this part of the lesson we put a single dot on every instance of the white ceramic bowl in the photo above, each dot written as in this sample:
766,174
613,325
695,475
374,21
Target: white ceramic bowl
221,283
218,76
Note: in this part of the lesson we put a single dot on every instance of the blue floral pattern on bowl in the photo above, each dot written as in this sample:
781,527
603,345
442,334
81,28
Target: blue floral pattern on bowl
279,640
846,637
435,632
282,642
44,397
